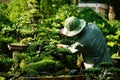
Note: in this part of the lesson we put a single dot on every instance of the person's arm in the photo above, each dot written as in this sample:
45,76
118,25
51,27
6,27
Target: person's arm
72,48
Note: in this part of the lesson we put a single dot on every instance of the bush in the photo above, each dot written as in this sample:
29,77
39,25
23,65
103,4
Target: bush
48,66
5,63
113,38
44,24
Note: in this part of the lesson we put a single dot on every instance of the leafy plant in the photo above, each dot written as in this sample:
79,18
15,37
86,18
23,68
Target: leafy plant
48,66
38,23
5,63
67,11
18,11
113,37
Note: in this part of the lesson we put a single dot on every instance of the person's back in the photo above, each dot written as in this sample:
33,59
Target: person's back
88,40
94,49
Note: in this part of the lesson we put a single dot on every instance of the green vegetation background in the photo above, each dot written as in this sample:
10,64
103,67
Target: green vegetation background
37,23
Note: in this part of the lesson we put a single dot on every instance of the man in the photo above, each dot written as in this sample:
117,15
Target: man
89,41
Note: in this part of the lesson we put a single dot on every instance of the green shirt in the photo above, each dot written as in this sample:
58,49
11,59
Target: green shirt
91,43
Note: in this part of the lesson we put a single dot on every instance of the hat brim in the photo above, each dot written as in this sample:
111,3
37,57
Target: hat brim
76,31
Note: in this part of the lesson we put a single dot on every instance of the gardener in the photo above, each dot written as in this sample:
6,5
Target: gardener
89,41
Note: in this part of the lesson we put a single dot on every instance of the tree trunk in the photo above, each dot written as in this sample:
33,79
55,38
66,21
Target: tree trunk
76,2
114,10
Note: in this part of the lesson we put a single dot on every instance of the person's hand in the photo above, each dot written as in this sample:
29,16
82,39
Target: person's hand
61,46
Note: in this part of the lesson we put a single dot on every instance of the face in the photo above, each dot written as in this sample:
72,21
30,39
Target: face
61,33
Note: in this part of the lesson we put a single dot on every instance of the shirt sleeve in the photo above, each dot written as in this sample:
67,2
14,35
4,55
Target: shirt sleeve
73,48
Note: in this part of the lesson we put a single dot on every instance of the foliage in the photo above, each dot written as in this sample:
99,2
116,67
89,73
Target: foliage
96,18
108,72
113,38
3,45
3,19
67,11
2,78
4,23
5,60
41,66
21,56
37,23
115,73
5,63
18,10
48,8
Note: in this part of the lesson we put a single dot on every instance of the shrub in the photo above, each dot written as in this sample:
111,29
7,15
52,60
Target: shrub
48,66
5,63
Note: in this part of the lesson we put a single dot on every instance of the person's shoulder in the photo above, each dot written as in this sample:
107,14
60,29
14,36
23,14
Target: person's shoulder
92,26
